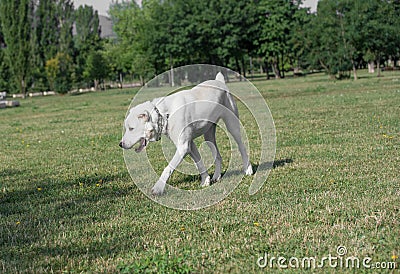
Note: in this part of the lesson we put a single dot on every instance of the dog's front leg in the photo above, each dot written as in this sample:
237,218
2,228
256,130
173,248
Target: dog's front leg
180,153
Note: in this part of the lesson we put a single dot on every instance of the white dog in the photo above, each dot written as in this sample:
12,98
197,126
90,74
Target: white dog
184,116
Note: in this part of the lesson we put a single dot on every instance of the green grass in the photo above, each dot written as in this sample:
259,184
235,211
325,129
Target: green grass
68,204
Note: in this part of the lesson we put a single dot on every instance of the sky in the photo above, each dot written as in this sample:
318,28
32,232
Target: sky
102,5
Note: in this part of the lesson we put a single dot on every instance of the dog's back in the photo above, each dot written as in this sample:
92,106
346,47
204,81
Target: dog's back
214,92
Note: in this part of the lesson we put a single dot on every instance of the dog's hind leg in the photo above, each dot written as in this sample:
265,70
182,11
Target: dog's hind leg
194,153
233,125
209,137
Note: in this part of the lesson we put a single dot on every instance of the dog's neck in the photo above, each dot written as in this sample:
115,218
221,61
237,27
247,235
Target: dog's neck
161,120
162,124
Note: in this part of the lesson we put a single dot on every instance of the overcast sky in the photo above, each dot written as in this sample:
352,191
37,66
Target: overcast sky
102,5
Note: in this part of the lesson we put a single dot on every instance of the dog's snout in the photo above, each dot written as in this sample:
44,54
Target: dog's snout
121,144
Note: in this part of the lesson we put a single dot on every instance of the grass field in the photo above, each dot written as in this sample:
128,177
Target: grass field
68,204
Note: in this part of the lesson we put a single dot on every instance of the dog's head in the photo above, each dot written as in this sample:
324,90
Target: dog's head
139,127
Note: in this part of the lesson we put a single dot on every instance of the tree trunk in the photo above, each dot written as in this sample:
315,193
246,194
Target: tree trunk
251,67
325,67
244,67
266,68
172,81
238,68
23,88
378,66
371,67
275,68
96,84
354,70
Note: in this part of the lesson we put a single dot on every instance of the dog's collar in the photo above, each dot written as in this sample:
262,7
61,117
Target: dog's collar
162,124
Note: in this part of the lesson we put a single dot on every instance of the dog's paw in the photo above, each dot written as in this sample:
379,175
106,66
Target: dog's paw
216,178
206,182
158,189
249,170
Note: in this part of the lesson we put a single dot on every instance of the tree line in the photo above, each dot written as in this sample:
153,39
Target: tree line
47,44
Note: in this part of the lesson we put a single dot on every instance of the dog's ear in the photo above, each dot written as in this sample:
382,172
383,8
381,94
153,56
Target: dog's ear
145,116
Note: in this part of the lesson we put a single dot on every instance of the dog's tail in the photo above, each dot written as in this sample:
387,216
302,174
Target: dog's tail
231,102
220,77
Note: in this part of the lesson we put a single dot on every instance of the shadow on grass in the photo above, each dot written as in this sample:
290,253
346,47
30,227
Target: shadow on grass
51,217
262,166
9,172
275,164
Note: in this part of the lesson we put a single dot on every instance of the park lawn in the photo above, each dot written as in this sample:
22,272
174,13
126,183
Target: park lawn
68,204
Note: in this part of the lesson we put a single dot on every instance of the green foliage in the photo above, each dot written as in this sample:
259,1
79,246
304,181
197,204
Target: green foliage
46,30
59,71
164,34
4,70
381,22
281,27
65,11
96,68
343,32
16,21
4,85
134,51
52,69
52,33
327,44
158,35
86,40
87,28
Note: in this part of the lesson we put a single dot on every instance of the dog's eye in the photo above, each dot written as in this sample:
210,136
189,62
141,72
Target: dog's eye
130,129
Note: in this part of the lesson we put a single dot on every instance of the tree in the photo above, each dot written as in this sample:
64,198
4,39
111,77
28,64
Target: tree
137,49
346,33
163,34
52,70
87,28
16,21
96,68
46,31
44,40
299,42
348,13
328,49
87,38
239,23
381,30
65,20
52,34
278,18
4,83
59,72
